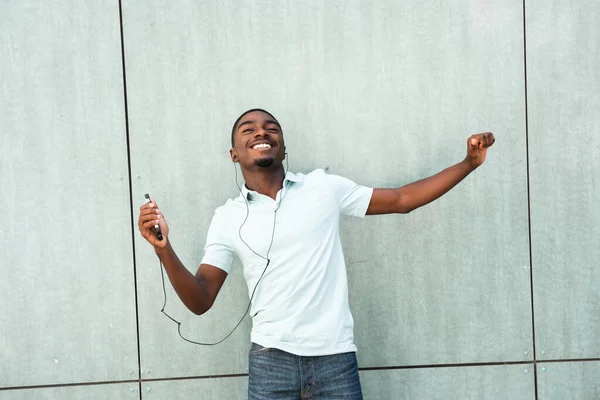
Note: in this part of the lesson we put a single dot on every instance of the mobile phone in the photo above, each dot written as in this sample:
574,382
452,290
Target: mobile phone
159,235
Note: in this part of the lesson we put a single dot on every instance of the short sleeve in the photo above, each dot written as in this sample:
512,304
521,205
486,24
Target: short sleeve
218,251
353,199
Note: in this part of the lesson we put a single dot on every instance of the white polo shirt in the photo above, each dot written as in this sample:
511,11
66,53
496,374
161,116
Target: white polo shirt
301,303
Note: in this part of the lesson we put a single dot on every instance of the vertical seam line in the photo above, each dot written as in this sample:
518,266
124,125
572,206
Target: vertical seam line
535,383
125,103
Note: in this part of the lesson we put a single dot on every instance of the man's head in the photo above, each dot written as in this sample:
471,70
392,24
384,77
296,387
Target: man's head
257,140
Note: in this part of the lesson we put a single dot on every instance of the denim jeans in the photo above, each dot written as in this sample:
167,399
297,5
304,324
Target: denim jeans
275,374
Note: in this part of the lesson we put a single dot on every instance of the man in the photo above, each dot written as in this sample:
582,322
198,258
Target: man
284,227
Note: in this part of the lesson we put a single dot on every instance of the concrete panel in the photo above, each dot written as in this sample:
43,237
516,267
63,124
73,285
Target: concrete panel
121,391
449,282
569,380
514,382
215,388
67,288
164,353
174,158
384,94
564,120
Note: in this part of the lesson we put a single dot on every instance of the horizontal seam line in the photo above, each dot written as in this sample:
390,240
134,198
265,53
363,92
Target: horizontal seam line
389,367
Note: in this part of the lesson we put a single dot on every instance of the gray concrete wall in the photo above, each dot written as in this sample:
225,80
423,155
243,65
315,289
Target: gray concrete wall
489,293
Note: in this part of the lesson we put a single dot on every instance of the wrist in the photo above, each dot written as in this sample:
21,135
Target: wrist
469,165
162,250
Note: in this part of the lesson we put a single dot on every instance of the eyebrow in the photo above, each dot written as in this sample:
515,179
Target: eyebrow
269,121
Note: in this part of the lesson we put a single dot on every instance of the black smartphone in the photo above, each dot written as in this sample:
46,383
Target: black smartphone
159,235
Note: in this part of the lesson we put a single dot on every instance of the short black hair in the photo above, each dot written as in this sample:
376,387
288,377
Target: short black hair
242,116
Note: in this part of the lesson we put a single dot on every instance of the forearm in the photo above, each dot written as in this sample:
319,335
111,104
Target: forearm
424,191
189,289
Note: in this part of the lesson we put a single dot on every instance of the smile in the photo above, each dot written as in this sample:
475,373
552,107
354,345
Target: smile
261,146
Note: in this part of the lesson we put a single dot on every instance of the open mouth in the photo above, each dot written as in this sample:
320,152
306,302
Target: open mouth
261,146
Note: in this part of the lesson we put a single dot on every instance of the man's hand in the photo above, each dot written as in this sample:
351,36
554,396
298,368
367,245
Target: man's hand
477,146
150,215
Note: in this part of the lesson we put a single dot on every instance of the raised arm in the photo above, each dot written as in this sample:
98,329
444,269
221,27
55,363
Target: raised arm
414,195
198,292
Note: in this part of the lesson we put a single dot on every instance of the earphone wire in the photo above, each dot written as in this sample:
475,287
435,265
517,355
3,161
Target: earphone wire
162,274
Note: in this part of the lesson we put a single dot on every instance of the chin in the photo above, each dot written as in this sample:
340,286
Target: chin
265,162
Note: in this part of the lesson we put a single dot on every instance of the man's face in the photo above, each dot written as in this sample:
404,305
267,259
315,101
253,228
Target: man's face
258,141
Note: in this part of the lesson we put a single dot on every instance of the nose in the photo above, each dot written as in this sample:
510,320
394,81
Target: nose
260,132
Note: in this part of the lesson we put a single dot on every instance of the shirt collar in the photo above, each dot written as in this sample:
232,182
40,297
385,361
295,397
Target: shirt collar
289,177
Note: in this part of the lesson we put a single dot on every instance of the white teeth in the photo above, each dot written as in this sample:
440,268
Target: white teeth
262,146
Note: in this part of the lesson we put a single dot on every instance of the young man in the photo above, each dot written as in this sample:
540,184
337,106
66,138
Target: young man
284,227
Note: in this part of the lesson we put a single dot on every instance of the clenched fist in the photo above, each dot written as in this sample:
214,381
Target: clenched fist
477,146
150,216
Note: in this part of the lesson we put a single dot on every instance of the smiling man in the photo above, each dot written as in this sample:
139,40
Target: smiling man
284,227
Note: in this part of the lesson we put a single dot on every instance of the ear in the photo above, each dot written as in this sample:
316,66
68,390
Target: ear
233,155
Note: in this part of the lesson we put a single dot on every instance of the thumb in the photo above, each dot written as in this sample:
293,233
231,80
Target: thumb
473,144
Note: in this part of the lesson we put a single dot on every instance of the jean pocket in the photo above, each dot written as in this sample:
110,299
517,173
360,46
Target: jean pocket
256,349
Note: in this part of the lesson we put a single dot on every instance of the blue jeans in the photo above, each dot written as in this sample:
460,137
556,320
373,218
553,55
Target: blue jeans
275,374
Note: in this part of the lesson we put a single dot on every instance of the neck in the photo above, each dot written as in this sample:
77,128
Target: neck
265,181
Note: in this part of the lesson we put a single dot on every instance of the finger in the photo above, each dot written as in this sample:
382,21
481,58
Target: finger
149,211
482,142
147,230
149,226
489,139
473,142
485,140
148,217
143,218
151,204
